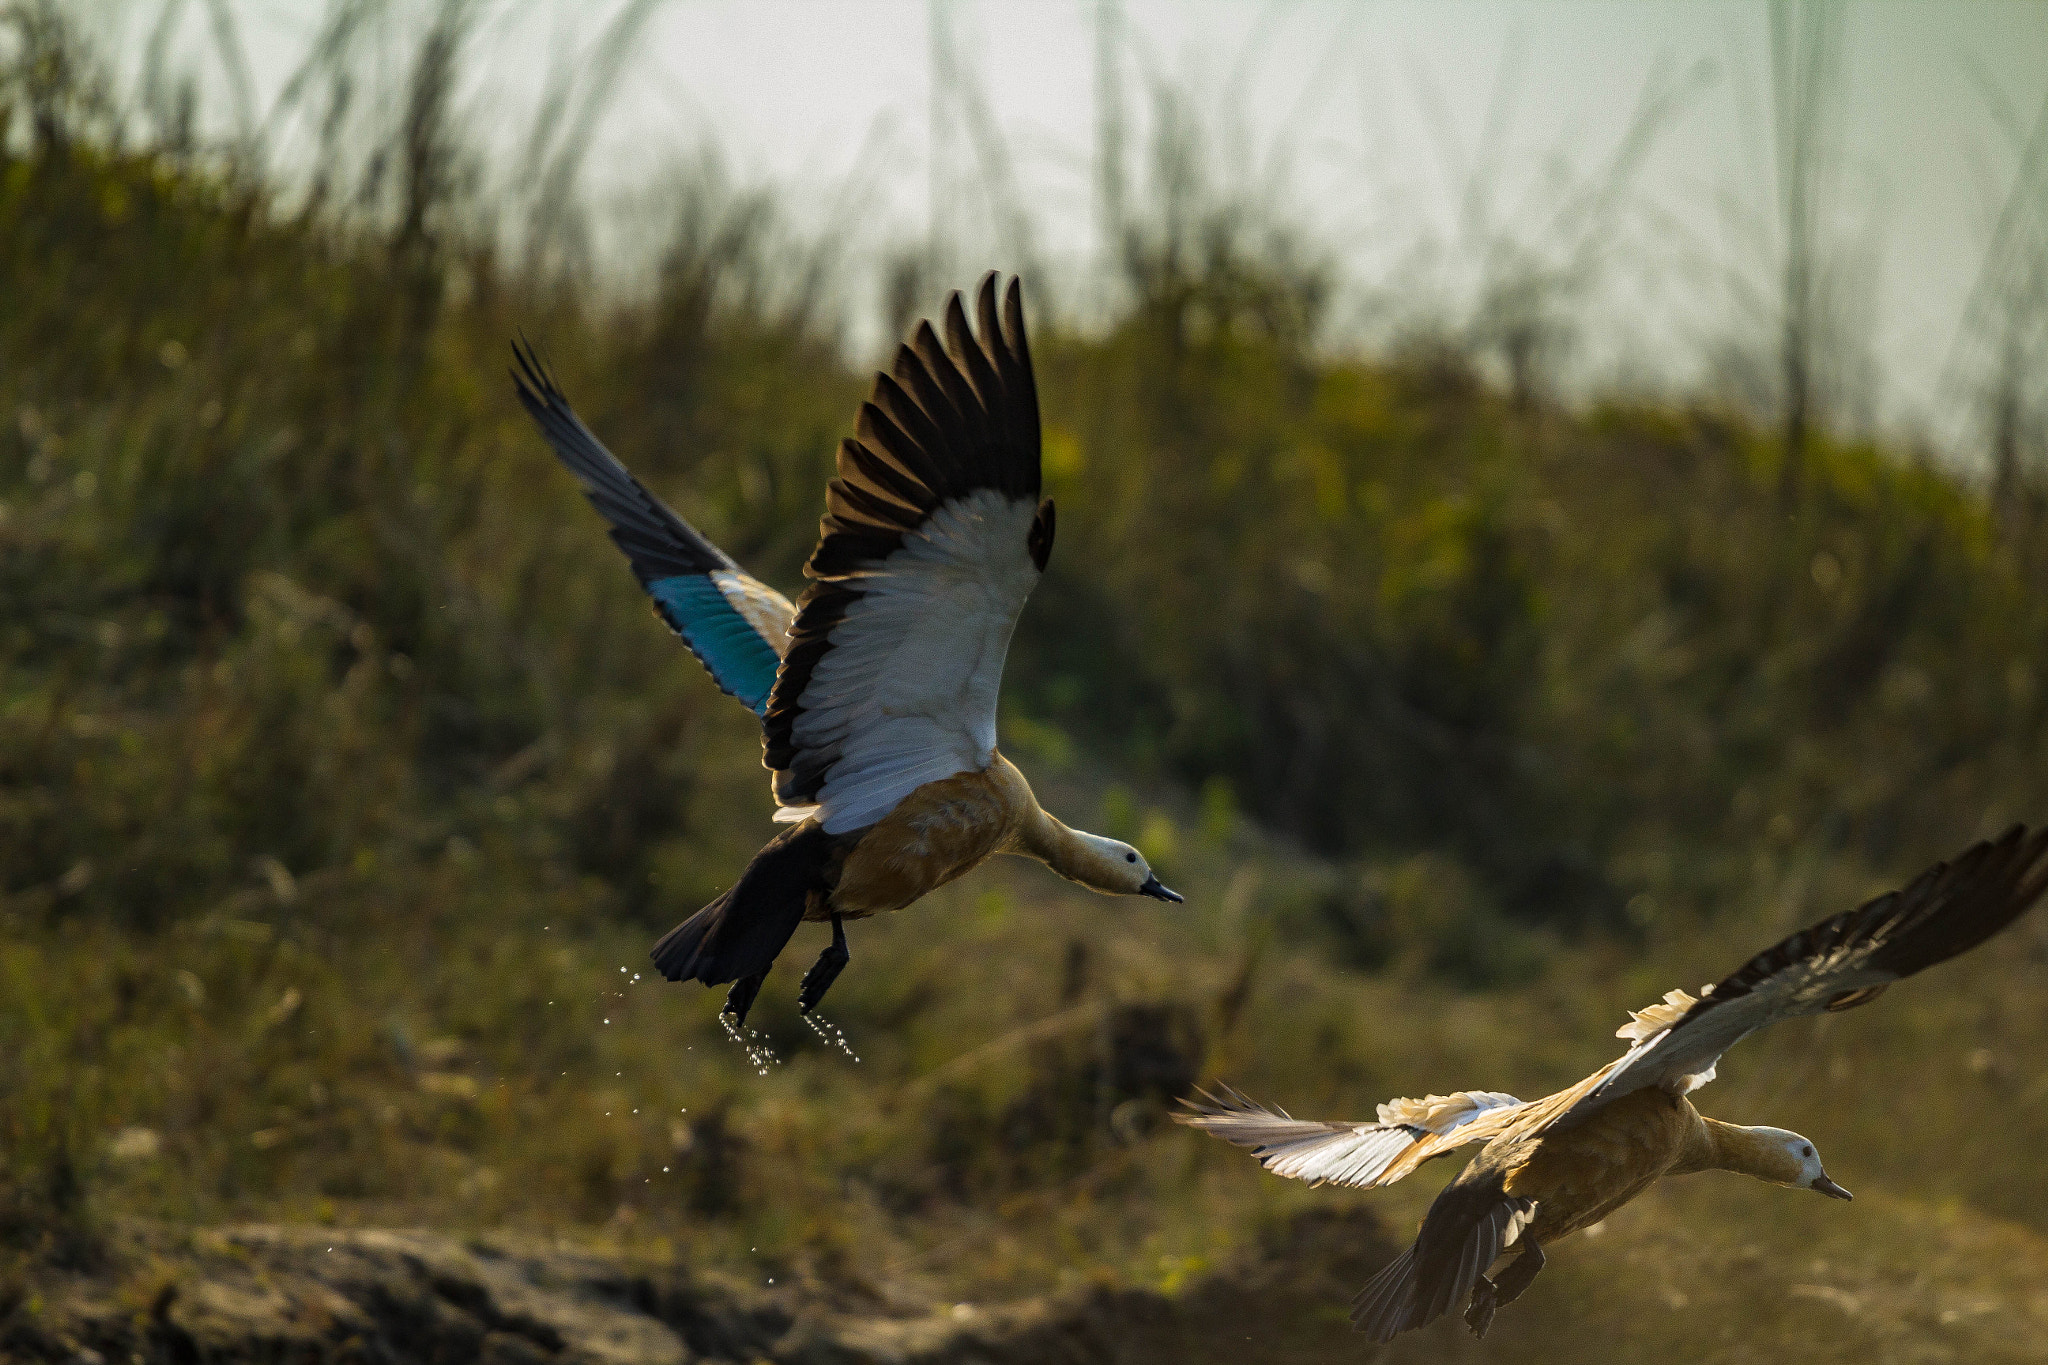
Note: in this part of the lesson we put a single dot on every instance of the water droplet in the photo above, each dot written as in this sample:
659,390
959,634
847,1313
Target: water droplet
830,1033
759,1054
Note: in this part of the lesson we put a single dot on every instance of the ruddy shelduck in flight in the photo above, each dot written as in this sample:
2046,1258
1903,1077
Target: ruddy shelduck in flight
877,693
1555,1165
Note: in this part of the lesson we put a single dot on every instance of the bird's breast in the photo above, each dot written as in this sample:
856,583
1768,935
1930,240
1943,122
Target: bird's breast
937,833
1580,1176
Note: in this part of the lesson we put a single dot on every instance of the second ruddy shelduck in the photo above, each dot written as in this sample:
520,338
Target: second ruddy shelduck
877,693
1555,1165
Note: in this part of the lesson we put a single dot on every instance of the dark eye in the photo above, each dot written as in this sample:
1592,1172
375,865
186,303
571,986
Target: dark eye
1130,857
1806,1151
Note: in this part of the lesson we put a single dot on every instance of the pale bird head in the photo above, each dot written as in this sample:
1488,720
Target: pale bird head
1114,866
1802,1163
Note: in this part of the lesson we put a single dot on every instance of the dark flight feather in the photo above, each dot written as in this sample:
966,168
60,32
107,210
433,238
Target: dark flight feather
674,563
946,423
1942,913
1842,962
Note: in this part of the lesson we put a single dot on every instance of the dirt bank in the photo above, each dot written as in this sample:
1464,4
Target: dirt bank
270,1293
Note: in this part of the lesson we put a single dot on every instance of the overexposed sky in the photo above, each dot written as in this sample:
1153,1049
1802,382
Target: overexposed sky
1366,121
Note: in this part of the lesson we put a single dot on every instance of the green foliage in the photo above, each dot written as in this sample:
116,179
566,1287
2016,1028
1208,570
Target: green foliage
1395,614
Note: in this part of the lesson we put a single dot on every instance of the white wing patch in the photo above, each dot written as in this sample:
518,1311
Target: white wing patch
760,606
1646,1023
1357,1154
1692,1081
908,689
1441,1114
1358,1157
1679,1060
1518,1218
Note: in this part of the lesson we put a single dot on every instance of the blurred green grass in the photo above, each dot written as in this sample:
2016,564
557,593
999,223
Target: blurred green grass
345,776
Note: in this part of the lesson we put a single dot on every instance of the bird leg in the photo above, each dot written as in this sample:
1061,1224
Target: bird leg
825,970
1520,1272
1490,1296
1485,1299
740,998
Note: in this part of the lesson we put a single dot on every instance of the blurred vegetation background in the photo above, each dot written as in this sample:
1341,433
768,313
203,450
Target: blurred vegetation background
345,775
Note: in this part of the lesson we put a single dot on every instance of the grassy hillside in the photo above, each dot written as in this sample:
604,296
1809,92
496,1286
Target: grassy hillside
345,775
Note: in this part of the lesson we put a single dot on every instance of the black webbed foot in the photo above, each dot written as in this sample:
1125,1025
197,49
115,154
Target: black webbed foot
1485,1301
1521,1272
825,970
740,998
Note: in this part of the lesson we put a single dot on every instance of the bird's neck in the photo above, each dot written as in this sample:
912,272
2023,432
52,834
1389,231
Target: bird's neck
1716,1146
1033,833
1043,836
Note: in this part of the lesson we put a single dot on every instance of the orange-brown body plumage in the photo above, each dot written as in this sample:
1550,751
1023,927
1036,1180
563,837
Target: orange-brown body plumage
1580,1176
946,829
941,831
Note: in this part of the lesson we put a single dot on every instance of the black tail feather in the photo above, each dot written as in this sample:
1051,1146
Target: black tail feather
675,955
1468,1227
741,933
1380,1309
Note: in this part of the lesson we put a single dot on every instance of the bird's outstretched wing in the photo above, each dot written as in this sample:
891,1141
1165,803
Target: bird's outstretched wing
933,536
1836,964
737,626
1367,1155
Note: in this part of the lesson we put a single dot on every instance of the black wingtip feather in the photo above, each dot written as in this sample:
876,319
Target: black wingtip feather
1021,379
972,358
1039,542
1947,910
1953,908
657,542
992,337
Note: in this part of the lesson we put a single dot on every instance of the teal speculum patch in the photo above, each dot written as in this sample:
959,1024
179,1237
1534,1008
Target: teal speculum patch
743,663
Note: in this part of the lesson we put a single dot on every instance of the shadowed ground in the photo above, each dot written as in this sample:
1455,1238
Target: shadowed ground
1649,1285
